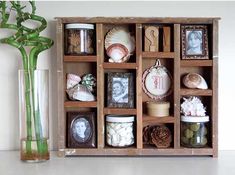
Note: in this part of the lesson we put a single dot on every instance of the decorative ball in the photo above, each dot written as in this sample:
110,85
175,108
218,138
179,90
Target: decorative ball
89,81
195,127
188,133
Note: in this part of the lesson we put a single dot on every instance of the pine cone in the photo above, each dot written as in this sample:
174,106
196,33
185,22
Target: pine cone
147,135
161,136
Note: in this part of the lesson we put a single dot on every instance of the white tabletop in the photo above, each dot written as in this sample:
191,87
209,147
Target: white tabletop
10,164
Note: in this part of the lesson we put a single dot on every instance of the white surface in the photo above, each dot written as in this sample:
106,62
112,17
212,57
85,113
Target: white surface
10,58
224,165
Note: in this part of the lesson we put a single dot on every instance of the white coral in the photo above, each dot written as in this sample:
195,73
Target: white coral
193,106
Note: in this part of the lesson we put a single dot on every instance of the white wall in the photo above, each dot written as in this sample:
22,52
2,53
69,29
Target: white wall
10,58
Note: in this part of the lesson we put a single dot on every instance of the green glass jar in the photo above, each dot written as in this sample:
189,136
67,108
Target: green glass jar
194,131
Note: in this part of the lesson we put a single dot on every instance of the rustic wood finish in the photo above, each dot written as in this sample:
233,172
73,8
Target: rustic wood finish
177,85
196,92
100,85
158,54
80,58
78,104
170,56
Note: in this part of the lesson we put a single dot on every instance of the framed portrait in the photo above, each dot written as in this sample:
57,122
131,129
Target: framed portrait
194,42
81,132
120,90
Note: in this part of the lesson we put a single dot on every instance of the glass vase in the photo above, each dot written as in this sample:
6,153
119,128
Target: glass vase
34,115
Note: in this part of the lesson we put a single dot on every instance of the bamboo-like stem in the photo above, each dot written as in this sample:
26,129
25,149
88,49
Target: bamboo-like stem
28,37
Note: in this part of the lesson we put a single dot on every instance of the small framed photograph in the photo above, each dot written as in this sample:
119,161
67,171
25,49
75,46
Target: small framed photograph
194,39
81,132
120,90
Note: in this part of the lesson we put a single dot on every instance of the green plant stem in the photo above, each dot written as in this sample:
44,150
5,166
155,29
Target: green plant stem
25,36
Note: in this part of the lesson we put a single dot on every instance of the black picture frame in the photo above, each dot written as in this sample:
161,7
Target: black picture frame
81,130
194,42
120,90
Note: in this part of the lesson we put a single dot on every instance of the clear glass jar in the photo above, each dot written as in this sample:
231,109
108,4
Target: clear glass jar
79,39
119,130
194,131
34,115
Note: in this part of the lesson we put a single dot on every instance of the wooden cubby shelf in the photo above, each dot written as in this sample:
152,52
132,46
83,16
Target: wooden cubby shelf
196,92
79,104
80,58
148,120
120,66
168,47
158,54
192,63
121,111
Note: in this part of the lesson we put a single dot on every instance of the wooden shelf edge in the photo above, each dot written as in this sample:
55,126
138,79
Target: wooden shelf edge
197,92
88,58
121,111
155,120
138,152
158,55
193,63
81,104
120,66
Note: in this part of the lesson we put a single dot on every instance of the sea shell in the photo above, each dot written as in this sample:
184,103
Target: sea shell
194,80
117,53
72,80
120,35
89,81
80,92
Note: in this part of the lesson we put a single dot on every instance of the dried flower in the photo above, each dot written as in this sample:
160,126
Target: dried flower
193,106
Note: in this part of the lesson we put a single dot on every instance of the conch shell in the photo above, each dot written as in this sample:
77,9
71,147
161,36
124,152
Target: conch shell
194,80
80,92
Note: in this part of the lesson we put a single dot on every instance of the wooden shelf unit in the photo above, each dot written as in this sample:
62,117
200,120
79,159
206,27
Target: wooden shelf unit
80,58
140,61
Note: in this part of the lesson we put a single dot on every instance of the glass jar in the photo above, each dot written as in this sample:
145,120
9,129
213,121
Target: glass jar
194,131
34,115
79,39
119,130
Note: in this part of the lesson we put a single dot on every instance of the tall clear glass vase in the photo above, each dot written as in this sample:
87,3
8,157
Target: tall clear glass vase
34,115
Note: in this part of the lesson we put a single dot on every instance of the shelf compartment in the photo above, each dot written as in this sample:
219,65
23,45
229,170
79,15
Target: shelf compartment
148,120
196,92
80,104
205,72
120,66
158,54
121,111
131,28
200,63
80,58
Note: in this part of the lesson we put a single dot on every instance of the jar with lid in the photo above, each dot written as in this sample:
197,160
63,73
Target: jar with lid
79,39
119,130
194,131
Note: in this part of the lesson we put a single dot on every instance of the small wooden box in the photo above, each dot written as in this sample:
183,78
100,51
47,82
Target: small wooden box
158,109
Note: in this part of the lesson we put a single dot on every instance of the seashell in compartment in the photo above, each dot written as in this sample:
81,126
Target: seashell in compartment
194,80
118,53
80,92
72,80
120,35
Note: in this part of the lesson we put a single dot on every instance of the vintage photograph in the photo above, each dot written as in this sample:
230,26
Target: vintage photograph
120,90
81,129
194,42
